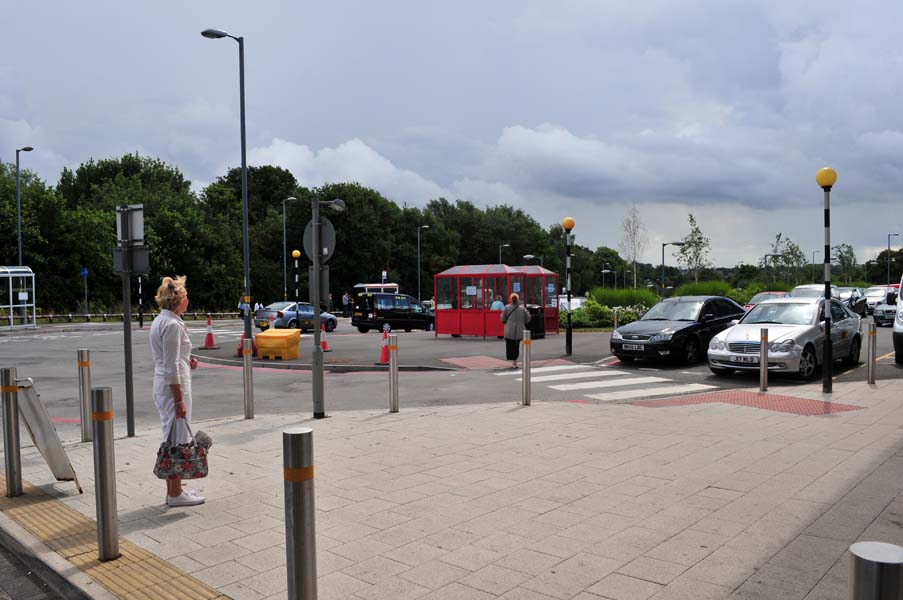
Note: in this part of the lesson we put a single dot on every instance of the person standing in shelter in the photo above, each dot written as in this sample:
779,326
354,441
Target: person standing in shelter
173,363
515,317
497,304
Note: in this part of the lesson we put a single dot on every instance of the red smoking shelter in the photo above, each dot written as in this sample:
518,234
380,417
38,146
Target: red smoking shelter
464,296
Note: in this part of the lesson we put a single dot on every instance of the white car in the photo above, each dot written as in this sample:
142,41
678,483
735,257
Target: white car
795,337
898,328
814,290
875,295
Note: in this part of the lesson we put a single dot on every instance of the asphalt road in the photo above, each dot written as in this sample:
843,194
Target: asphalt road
474,371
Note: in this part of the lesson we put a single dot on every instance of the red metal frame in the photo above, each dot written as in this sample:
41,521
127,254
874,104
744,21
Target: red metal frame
463,294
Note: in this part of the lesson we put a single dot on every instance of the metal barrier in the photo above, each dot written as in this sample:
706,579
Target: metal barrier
105,474
84,392
763,359
876,571
393,372
615,325
247,356
525,378
300,516
10,391
872,352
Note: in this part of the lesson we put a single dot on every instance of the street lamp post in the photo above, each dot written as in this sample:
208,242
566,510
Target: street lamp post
826,178
284,257
505,245
773,278
662,284
533,257
418,260
215,34
626,271
568,224
19,201
607,269
889,235
316,365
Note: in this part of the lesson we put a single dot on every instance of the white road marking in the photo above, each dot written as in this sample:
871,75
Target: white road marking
566,376
587,385
545,369
646,392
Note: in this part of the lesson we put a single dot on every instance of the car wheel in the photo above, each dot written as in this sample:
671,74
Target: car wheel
429,327
720,371
407,330
330,325
691,351
898,358
363,329
625,358
808,365
456,335
292,324
855,349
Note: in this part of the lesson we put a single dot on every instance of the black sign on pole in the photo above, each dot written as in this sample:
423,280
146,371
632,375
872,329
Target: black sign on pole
327,240
130,256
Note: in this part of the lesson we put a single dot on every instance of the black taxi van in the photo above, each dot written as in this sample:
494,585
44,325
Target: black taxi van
372,310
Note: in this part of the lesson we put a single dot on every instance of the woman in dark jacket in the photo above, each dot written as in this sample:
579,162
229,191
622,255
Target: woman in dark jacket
515,317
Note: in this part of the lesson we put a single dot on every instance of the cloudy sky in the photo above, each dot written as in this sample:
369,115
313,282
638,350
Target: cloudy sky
563,108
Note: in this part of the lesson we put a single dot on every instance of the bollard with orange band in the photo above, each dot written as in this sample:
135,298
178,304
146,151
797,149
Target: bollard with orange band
763,359
300,530
247,351
104,474
872,352
525,376
84,393
10,398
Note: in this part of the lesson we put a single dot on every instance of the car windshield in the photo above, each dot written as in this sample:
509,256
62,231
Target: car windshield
808,292
673,311
279,305
764,296
877,293
785,313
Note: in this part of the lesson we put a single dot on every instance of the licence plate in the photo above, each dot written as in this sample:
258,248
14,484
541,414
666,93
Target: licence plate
745,359
637,347
358,314
263,323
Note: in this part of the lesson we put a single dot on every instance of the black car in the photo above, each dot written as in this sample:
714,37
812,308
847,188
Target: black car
676,328
400,311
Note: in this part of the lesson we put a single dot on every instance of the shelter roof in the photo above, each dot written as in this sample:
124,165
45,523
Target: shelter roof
495,269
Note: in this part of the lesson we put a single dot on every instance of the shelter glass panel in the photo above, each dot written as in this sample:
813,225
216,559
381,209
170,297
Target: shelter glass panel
471,293
447,292
533,295
549,290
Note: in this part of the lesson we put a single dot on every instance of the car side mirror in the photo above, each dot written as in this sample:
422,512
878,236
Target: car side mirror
735,321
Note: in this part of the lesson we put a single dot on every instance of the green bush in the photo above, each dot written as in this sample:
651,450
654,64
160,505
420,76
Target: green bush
629,297
704,288
593,314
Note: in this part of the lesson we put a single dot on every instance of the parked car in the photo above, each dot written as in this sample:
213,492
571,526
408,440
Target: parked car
876,295
885,313
285,315
795,337
814,290
400,311
898,325
854,299
679,327
764,296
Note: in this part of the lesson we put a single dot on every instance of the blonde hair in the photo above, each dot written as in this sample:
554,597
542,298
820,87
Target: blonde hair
514,298
171,292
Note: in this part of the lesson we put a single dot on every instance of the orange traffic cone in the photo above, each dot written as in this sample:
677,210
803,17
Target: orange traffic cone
253,346
324,343
384,352
209,344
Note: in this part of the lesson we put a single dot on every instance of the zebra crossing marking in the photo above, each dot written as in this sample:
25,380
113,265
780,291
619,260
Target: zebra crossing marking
545,369
647,392
560,376
588,385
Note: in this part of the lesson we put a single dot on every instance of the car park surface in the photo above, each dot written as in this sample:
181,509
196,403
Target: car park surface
795,338
675,328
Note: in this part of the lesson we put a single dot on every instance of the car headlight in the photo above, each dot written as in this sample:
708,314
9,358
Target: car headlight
716,344
616,335
785,346
900,317
661,337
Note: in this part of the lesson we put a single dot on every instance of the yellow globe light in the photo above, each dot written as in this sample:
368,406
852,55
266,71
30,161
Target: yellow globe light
826,177
567,223
296,253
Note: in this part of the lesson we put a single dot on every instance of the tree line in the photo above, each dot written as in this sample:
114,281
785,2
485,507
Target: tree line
71,226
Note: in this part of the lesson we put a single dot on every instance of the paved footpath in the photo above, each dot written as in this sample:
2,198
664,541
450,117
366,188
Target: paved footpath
724,495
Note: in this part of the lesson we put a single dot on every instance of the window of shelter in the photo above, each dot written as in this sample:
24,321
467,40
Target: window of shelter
446,293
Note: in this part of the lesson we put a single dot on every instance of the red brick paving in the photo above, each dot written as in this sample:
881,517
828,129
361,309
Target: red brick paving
775,402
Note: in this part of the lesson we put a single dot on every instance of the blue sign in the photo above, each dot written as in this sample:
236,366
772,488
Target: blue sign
516,286
83,272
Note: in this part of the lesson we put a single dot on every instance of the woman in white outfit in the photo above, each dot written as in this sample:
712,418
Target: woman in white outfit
171,352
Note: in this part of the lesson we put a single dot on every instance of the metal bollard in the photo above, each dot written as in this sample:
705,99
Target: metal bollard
525,377
876,571
247,356
105,474
616,318
763,359
300,517
84,392
393,373
872,352
10,391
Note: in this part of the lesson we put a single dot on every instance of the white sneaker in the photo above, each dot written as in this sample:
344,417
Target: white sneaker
185,499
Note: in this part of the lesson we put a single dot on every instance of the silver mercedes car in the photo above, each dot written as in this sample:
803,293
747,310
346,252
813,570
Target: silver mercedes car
795,337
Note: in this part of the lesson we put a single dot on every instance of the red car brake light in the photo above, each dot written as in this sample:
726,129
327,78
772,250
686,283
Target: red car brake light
279,314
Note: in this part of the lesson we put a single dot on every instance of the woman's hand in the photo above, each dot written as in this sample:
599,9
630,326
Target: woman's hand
193,362
177,399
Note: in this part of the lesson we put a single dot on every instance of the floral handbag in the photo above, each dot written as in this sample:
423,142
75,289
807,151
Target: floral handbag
180,461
